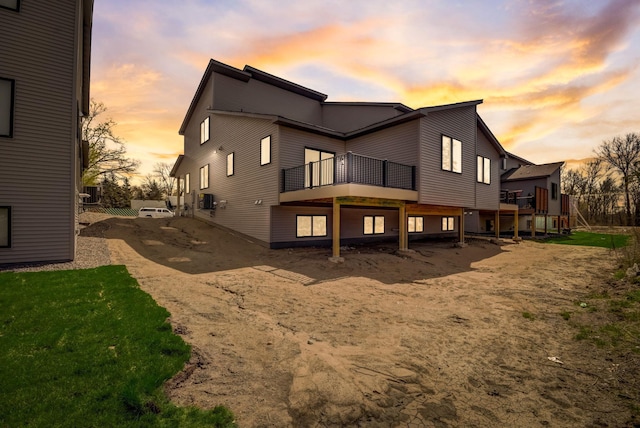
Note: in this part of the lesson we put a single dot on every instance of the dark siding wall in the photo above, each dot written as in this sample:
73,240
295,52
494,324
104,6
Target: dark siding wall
293,142
38,166
488,196
555,206
397,144
443,187
251,181
346,118
352,223
255,96
527,186
283,223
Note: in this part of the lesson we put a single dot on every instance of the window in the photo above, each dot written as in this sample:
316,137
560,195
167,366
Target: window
448,224
230,165
415,224
554,191
265,150
373,225
10,4
7,88
451,154
204,177
5,227
318,167
204,130
484,170
187,183
311,225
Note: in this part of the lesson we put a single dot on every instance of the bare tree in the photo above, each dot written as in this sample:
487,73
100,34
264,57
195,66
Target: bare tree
623,155
107,152
167,184
592,172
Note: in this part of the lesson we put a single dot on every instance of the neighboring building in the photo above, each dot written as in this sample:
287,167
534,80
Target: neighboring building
44,92
278,163
536,191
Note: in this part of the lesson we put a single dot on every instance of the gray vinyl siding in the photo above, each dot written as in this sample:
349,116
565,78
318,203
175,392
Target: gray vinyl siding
351,224
255,96
398,143
293,143
283,223
488,195
528,187
440,187
555,205
345,118
39,165
251,181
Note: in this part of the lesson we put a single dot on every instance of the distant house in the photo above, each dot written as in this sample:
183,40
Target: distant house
44,92
536,191
276,162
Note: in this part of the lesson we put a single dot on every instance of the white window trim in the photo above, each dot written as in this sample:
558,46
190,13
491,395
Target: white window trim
187,183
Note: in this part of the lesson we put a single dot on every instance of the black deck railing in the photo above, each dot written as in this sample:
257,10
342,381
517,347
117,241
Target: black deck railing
349,168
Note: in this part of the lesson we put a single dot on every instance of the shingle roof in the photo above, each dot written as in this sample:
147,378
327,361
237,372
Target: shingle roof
531,171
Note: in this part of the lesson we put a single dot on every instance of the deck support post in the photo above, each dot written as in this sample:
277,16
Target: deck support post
461,226
546,221
402,229
336,228
496,224
533,225
515,225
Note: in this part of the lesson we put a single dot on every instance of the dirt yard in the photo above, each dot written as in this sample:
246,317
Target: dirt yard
443,337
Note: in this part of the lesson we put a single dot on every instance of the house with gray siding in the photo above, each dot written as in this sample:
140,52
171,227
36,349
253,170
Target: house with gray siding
536,190
44,93
276,162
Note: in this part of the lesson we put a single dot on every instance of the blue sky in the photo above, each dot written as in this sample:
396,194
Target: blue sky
557,77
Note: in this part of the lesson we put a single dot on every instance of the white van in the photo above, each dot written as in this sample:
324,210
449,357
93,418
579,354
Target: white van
155,212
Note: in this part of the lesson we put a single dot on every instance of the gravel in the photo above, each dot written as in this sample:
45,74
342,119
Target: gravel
90,252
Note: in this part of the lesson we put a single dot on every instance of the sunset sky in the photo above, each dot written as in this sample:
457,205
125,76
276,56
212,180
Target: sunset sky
557,76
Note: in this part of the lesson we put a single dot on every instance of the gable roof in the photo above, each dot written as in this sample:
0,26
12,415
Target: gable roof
492,138
519,159
527,172
244,75
397,106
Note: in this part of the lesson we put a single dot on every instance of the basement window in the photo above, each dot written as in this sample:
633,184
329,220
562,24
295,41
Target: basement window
311,225
448,224
373,225
415,224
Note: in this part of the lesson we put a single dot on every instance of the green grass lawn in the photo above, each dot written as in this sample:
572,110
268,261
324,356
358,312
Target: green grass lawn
592,240
89,348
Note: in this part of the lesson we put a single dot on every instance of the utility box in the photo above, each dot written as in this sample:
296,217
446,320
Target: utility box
206,202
